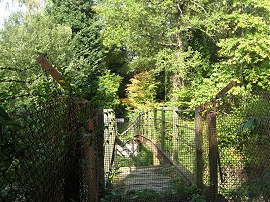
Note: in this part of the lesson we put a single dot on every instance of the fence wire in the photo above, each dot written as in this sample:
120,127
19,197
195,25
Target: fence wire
42,152
222,149
243,128
155,158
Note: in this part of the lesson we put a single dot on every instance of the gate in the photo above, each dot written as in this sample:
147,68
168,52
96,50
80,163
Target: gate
155,158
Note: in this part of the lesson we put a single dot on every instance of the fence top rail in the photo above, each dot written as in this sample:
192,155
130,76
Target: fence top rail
184,110
130,126
177,110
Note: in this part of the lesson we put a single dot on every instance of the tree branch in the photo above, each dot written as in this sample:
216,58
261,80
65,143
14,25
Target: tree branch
180,10
199,6
11,69
14,80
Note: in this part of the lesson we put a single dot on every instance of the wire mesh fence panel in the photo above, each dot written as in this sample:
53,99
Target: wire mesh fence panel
243,126
155,157
186,137
41,152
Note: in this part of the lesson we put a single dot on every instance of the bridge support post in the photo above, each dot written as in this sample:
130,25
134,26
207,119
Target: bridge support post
199,144
110,128
175,135
155,125
213,156
155,154
163,130
93,175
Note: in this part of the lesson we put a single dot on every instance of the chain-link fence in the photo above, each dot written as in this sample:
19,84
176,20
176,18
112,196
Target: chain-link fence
243,128
235,146
45,152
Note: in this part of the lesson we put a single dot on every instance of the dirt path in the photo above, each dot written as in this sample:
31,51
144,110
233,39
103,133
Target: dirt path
141,178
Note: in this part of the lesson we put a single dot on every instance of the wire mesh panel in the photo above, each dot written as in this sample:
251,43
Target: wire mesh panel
185,126
155,157
243,127
40,154
235,147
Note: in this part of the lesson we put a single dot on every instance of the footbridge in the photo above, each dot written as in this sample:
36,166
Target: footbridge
158,147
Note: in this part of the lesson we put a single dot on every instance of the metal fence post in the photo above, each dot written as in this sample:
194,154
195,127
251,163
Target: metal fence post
213,156
163,130
199,144
175,135
155,125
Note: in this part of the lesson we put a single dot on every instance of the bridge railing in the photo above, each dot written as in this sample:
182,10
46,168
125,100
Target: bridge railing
172,132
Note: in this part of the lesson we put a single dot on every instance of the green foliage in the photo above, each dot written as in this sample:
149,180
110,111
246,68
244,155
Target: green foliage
107,89
85,43
244,136
178,191
9,163
155,33
22,78
244,41
201,45
142,89
257,188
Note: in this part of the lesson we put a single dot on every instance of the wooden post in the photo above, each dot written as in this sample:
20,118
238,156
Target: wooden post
93,175
155,158
53,72
175,135
213,158
162,141
155,125
140,124
146,123
199,150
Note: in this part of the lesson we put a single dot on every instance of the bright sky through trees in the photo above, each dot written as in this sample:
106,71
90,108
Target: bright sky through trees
6,8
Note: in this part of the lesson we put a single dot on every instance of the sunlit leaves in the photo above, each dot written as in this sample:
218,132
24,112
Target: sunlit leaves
107,91
142,89
23,80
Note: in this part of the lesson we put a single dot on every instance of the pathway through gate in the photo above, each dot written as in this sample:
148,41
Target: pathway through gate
156,151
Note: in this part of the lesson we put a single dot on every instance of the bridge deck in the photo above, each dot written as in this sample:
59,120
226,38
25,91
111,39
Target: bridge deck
156,178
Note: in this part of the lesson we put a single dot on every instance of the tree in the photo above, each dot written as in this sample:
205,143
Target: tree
142,89
155,33
22,39
244,42
79,16
199,45
107,91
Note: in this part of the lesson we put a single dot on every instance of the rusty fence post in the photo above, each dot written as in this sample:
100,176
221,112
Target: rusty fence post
199,149
93,176
213,156
72,175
